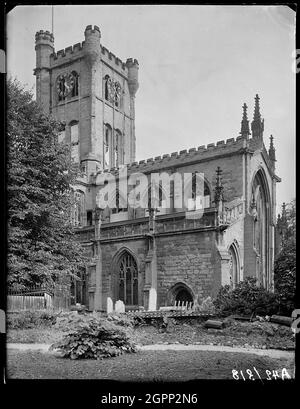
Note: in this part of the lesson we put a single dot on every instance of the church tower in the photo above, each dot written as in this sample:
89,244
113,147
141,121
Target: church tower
92,92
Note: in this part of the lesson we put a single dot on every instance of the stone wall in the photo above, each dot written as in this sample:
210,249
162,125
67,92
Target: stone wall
191,259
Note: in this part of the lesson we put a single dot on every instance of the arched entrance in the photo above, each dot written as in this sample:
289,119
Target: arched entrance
180,292
183,295
127,279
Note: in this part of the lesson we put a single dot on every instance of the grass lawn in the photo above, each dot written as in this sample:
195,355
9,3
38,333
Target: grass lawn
142,366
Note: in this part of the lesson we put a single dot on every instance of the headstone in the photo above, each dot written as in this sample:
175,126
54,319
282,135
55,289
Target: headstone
152,299
109,305
119,306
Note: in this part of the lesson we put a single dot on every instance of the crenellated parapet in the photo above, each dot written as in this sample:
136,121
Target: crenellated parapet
186,156
113,59
44,37
133,71
70,52
93,49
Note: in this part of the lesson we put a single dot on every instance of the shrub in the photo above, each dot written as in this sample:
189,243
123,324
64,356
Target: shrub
247,298
30,319
70,321
95,339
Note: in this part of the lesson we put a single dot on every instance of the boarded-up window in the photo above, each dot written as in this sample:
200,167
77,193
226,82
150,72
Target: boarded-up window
107,145
74,142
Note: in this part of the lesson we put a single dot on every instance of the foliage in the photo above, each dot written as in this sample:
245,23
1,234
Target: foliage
285,264
41,240
95,339
207,306
247,298
30,319
123,320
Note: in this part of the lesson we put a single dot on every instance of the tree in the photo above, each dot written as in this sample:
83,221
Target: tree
42,246
285,263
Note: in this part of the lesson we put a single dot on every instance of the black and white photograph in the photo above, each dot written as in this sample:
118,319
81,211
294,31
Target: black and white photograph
150,190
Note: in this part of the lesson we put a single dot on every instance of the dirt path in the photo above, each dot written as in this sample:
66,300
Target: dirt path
271,353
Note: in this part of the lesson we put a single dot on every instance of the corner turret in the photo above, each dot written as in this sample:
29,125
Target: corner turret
92,47
133,70
44,47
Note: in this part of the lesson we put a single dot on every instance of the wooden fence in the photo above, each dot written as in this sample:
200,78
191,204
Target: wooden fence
39,298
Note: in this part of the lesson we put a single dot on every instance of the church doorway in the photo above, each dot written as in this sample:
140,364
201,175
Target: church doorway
127,272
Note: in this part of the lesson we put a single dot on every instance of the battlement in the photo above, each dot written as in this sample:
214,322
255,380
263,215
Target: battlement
112,57
130,62
89,30
42,37
210,150
76,49
68,52
184,157
72,51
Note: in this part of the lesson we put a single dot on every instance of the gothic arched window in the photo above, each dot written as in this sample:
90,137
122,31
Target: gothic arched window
121,203
234,266
198,193
107,81
118,148
127,279
118,94
261,221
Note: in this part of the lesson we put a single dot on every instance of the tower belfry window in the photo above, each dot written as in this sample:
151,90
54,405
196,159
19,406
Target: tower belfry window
112,91
74,92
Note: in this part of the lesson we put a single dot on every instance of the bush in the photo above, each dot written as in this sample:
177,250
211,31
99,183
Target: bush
30,319
246,299
95,339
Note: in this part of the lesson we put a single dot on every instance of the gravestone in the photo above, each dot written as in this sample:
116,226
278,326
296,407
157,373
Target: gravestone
109,305
119,306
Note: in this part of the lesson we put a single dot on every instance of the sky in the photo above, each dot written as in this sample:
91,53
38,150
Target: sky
197,66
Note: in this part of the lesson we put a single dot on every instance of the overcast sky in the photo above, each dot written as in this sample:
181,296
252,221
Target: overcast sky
198,65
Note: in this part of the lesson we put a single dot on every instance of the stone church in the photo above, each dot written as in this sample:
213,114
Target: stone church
151,257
